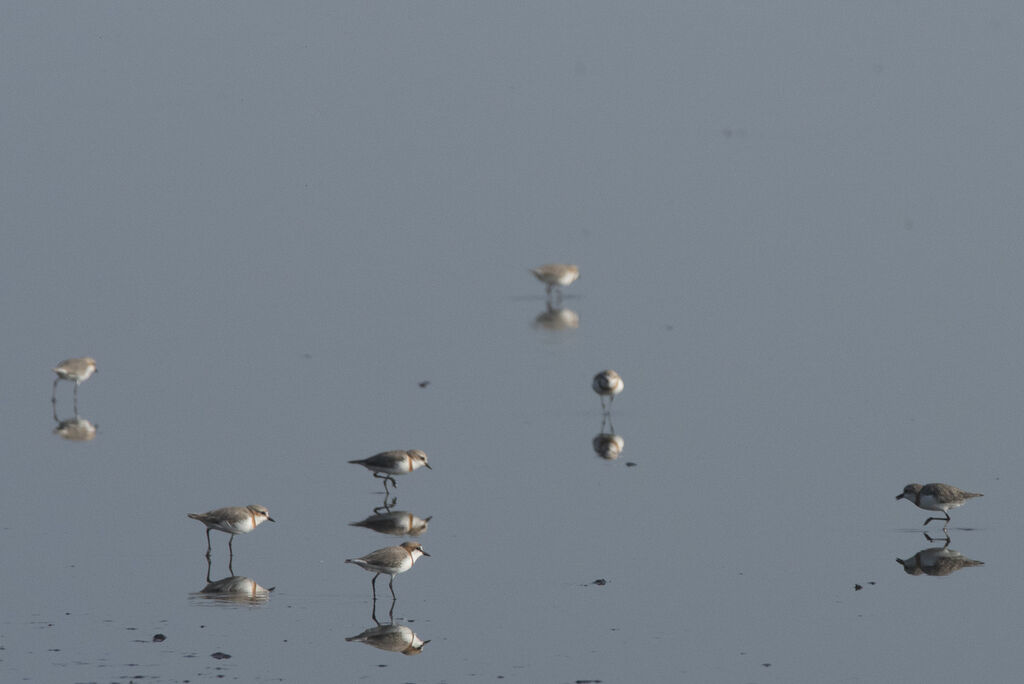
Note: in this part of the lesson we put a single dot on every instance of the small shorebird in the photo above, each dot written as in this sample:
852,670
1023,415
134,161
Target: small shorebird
76,371
607,384
233,520
936,497
556,275
393,463
391,561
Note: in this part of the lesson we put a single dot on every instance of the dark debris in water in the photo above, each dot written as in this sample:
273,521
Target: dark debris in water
159,637
220,655
630,464
424,383
600,582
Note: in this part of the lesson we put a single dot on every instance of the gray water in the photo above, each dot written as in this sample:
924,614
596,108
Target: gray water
800,234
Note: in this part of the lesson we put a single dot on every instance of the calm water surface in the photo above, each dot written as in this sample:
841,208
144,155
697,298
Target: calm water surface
799,230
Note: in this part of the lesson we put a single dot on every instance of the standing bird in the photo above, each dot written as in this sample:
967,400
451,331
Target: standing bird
390,560
607,384
393,463
556,275
75,370
936,497
233,520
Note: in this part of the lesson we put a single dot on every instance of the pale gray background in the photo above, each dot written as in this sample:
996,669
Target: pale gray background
800,231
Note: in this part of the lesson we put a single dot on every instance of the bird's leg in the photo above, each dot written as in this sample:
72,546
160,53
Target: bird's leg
209,547
938,518
76,400
53,399
373,586
373,611
929,538
391,586
231,549
386,479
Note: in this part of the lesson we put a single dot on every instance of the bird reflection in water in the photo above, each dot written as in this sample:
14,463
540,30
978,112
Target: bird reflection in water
397,638
234,589
556,319
938,561
397,523
608,445
75,429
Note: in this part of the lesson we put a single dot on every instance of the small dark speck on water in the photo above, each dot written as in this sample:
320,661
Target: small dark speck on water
219,655
630,464
600,582
159,637
857,587
424,383
766,664
588,681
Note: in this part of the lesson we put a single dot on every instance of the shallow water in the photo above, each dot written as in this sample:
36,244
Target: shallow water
799,235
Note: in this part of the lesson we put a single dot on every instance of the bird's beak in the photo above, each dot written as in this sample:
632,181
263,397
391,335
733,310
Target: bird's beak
424,552
271,519
899,496
428,466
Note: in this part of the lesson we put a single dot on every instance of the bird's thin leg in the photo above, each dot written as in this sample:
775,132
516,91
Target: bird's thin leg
391,610
391,586
209,547
386,478
373,611
76,400
938,518
946,540
373,586
231,550
53,399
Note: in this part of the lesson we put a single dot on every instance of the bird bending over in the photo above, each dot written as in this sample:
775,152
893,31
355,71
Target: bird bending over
936,497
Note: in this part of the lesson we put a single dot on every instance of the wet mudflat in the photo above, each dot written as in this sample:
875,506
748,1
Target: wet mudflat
292,240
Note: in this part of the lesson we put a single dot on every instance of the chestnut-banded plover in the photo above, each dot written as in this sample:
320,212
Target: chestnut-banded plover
556,276
393,463
76,371
607,384
936,497
233,520
391,561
